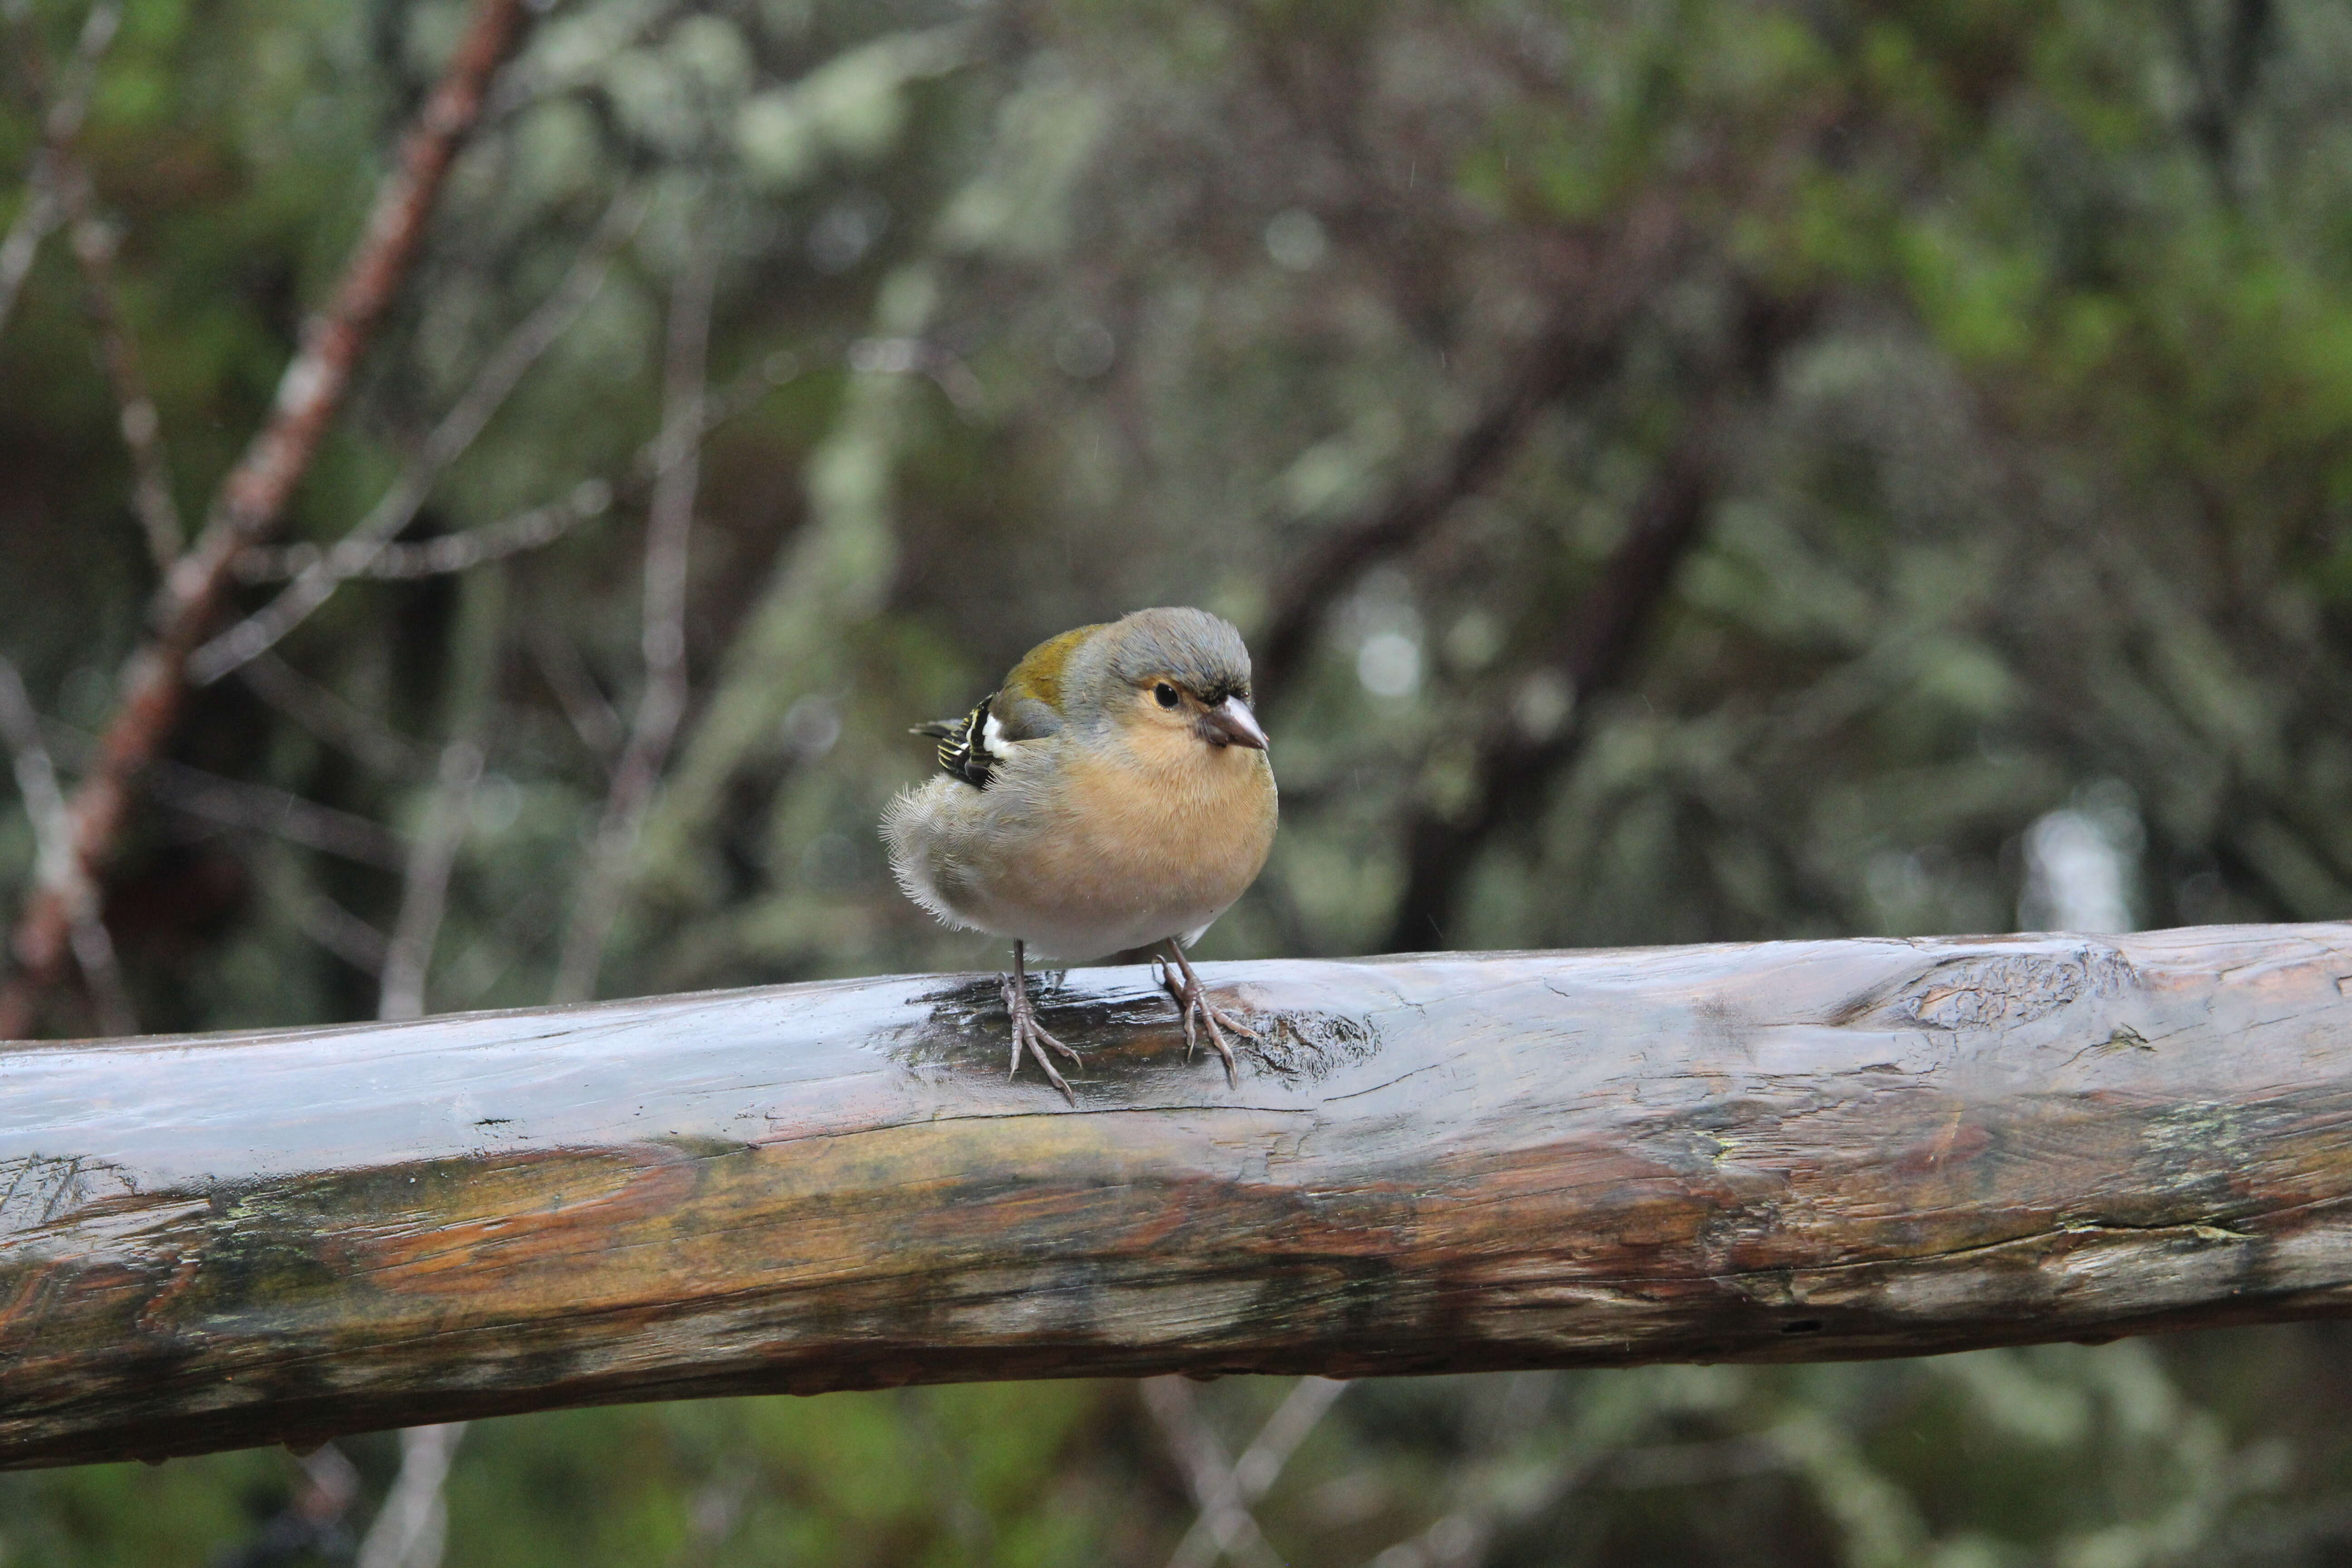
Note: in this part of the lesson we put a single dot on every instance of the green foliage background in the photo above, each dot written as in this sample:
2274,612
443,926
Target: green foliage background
2011,347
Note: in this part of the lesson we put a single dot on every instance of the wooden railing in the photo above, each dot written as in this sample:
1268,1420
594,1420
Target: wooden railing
1788,1152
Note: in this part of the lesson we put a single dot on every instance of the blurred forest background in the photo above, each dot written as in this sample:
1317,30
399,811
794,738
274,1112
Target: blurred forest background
1689,470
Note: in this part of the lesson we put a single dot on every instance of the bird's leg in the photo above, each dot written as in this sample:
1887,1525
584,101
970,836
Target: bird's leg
1194,1003
1027,1033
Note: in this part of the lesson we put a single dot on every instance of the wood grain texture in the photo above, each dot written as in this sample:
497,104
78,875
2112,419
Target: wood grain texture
1789,1150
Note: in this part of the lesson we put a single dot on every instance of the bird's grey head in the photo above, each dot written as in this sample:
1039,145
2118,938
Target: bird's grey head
1193,646
1200,652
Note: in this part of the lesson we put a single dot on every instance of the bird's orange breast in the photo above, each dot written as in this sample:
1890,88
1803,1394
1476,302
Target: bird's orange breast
1174,825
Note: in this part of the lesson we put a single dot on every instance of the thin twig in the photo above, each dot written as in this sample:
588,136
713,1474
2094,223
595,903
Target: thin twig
521,931
56,867
531,529
584,704
450,554
1576,349
1525,743
424,889
311,1523
254,808
95,242
44,204
412,1526
1457,1540
254,495
326,715
1309,1400
1497,1491
424,884
662,705
1254,1473
341,932
505,366
1208,1473
258,808
1591,650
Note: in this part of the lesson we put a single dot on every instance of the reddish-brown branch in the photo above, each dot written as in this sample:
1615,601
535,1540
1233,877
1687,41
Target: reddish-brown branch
312,388
254,496
493,383
44,807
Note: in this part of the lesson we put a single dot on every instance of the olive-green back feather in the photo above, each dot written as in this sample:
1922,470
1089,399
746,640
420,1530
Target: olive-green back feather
1026,707
1038,677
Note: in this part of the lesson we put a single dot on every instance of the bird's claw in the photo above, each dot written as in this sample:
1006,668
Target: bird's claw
1030,1036
1193,1001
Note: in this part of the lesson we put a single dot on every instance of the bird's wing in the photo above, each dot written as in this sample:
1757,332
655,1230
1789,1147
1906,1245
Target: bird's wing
1027,707
965,751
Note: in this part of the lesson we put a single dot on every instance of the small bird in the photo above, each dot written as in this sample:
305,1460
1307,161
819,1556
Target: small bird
1113,798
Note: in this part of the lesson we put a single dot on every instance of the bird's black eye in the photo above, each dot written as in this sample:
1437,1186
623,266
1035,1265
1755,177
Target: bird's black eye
1165,693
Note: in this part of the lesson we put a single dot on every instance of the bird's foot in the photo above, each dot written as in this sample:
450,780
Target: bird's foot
1030,1036
1202,1016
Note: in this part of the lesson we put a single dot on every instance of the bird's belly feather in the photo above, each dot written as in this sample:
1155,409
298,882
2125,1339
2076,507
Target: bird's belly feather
1090,860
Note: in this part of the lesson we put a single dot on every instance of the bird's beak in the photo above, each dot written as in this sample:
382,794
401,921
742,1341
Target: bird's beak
1231,723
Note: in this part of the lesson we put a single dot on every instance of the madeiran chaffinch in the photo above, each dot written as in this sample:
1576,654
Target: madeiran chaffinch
1113,798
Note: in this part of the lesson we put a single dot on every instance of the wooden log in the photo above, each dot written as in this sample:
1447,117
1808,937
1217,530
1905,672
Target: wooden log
1791,1150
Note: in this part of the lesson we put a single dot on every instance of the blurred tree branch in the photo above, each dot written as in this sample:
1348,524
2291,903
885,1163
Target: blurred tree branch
425,885
1223,1493
326,716
534,528
1603,295
661,705
95,241
1224,1515
56,870
2224,72
46,196
1525,742
1543,722
500,373
412,1526
254,495
311,1521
